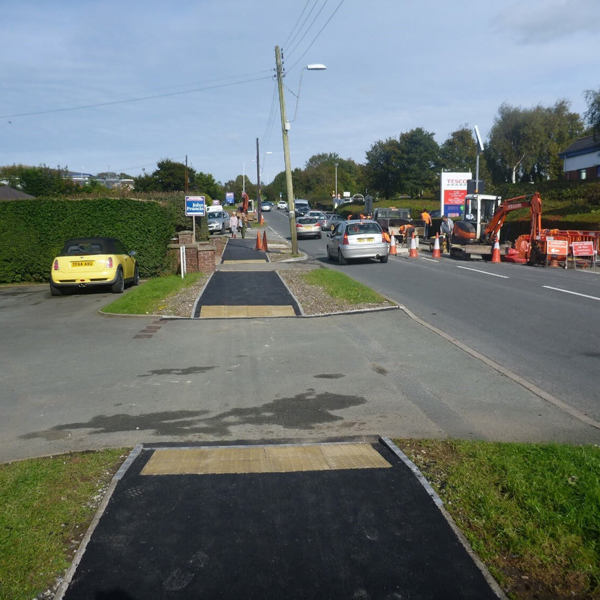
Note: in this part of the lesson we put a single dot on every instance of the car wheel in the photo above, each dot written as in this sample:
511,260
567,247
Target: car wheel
55,291
341,259
319,236
384,259
119,285
136,276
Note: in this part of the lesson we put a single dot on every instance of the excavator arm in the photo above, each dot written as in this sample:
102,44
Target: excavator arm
533,202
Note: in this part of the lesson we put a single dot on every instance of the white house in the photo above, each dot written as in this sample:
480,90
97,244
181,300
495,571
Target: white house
582,159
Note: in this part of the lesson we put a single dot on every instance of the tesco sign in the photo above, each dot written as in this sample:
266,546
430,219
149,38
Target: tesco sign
453,189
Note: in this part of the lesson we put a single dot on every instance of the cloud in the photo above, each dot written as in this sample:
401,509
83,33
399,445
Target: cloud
545,21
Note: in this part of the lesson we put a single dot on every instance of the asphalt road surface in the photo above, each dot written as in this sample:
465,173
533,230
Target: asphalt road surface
72,379
541,323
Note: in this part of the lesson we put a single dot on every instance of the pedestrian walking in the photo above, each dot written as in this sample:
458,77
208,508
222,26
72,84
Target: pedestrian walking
446,229
426,218
233,222
243,223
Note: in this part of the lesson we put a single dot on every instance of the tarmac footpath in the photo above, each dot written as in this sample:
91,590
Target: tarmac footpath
248,292
347,519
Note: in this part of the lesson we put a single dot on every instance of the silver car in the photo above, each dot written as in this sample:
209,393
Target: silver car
218,221
357,239
332,220
308,227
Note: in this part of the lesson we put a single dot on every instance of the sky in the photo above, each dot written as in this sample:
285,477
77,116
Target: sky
102,85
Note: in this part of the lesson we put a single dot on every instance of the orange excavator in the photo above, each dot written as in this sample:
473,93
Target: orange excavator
464,237
534,248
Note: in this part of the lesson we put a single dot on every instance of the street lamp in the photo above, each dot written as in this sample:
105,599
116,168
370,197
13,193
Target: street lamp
336,192
285,127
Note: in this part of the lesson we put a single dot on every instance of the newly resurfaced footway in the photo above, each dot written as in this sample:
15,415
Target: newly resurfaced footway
347,520
239,294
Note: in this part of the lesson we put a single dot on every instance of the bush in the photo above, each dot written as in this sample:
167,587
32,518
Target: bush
32,232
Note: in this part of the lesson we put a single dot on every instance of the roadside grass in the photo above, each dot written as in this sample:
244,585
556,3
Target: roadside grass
530,511
147,297
339,285
47,506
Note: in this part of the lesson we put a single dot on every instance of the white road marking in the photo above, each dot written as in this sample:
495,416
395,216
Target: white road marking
549,287
484,272
430,259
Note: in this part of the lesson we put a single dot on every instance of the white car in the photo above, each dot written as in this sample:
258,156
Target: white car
282,205
357,239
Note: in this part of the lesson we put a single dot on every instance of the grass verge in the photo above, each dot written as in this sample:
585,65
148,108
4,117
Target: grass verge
47,506
146,298
530,511
339,285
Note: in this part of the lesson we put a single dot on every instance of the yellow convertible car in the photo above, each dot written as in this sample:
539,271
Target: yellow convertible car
91,262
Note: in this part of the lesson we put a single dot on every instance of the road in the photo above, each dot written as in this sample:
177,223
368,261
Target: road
541,323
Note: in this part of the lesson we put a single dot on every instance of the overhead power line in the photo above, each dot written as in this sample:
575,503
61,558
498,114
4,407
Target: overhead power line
294,32
292,49
137,99
317,36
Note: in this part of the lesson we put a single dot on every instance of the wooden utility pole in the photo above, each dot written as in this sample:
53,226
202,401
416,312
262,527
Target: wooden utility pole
258,207
285,126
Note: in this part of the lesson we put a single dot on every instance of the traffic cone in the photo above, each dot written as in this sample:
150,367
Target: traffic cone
393,251
436,247
413,253
496,251
264,242
259,245
262,219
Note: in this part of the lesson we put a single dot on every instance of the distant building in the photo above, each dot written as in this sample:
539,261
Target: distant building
581,160
109,180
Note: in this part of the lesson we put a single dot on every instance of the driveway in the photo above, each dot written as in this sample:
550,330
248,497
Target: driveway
73,379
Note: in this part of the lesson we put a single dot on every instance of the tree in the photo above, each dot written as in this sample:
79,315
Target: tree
170,176
592,114
382,169
419,159
206,184
459,151
524,143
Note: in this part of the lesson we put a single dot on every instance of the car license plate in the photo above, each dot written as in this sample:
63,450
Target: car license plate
82,263
366,239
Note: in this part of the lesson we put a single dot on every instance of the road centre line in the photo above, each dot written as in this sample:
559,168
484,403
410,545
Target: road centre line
549,287
430,259
484,272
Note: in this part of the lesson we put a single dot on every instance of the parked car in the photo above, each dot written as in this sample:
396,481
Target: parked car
266,206
320,215
218,220
332,219
308,227
93,262
357,239
282,205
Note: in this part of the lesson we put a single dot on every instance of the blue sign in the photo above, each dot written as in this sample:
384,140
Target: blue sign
229,198
195,206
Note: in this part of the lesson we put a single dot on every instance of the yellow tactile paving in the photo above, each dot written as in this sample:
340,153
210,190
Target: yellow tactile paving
263,459
251,261
237,312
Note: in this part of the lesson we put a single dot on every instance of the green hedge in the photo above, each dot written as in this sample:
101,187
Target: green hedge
32,232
